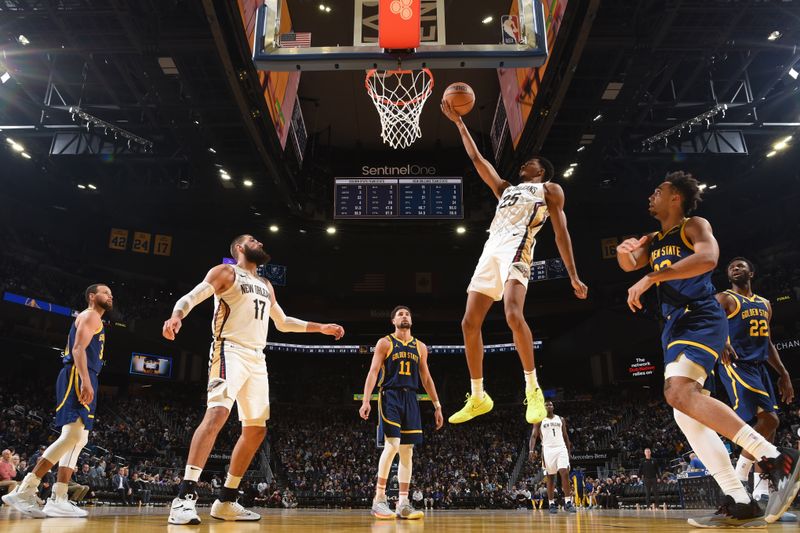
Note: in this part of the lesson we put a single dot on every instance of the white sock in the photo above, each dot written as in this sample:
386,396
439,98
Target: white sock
477,388
380,490
30,482
568,499
760,488
743,467
712,452
60,492
552,502
755,444
192,473
531,382
232,482
403,499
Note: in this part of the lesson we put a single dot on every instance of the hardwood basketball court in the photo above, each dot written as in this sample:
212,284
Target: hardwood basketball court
131,520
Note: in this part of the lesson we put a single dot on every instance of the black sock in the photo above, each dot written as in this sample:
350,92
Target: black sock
227,494
187,487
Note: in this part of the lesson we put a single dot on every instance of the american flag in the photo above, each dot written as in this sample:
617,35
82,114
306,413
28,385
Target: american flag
370,282
295,40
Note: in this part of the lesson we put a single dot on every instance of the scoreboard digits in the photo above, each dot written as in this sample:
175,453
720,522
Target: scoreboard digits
398,198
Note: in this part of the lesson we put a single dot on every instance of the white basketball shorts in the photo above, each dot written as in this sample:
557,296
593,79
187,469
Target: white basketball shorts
239,375
501,260
554,459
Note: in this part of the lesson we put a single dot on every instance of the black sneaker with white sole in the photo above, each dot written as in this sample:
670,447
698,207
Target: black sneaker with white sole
732,515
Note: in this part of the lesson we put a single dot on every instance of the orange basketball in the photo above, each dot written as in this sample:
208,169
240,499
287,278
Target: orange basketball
460,97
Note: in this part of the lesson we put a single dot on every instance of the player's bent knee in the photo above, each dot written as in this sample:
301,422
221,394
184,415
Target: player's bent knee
514,318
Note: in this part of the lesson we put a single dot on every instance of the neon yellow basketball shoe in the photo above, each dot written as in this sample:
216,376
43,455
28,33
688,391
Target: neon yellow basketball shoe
535,412
472,408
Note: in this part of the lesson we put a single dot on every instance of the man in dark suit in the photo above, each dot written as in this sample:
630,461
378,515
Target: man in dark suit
122,486
648,472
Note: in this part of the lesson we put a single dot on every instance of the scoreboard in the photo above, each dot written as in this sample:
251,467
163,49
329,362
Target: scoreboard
399,198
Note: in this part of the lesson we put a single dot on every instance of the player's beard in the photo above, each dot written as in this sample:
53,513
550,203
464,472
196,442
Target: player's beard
405,324
256,256
106,305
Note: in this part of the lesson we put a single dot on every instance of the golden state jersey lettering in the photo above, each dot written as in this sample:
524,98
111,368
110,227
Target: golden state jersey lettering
400,368
748,327
666,249
94,351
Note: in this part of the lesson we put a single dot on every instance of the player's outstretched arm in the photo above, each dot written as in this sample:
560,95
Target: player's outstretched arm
554,197
288,324
219,279
486,171
785,387
427,383
378,356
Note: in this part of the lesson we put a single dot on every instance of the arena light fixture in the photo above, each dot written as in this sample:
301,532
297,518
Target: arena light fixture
211,149
461,230
5,76
702,186
573,165
488,19
793,73
712,187
598,117
772,153
273,228
331,230
581,149
17,147
81,186
96,124
778,146
93,187
25,155
23,40
248,183
774,36
9,140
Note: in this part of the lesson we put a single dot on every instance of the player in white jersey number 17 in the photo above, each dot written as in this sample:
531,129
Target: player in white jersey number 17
244,303
504,268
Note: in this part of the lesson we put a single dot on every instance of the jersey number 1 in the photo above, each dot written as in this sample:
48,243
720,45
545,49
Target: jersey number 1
260,306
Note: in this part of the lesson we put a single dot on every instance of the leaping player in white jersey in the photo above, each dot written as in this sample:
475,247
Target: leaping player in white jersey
505,265
237,372
556,449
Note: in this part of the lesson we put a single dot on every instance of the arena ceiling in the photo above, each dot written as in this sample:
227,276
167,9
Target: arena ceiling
175,72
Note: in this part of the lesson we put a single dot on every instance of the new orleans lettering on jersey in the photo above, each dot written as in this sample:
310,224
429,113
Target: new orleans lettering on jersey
552,432
667,249
521,212
748,327
94,351
241,313
400,368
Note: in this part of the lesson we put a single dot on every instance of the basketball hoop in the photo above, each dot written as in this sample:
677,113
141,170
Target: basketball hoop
399,96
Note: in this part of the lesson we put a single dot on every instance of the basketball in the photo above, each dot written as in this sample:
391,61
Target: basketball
460,97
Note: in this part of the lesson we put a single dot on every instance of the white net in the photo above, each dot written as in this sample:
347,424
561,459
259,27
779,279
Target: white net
399,96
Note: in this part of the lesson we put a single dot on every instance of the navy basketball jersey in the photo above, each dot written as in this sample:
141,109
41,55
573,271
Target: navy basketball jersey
94,351
748,327
401,367
667,249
